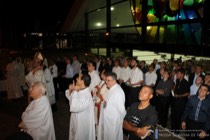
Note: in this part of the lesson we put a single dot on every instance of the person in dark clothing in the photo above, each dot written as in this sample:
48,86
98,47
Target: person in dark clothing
19,136
193,76
143,66
207,80
179,100
84,68
109,65
196,117
141,116
163,91
102,65
61,64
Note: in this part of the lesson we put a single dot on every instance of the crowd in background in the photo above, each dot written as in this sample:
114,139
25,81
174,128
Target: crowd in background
173,82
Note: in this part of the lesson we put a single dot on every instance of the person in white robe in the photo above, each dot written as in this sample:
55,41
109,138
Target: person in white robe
101,92
13,88
21,75
112,115
50,93
95,80
37,73
37,119
82,125
54,71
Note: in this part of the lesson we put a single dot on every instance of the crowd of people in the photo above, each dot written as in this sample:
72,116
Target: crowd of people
111,96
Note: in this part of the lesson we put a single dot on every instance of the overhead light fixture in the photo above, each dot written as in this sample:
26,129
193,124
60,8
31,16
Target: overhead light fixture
107,33
112,8
98,24
40,34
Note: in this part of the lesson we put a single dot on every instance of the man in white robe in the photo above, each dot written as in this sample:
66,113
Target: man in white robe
95,80
37,119
101,93
82,125
112,115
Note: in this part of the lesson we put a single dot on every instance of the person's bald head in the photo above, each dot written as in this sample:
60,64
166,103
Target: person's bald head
37,90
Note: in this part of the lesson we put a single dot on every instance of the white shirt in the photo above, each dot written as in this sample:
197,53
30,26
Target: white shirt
95,79
117,70
125,73
69,71
82,125
136,76
150,78
194,89
38,120
98,65
38,76
54,70
76,66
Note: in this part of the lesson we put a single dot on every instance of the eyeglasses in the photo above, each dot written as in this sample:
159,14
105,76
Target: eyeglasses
109,80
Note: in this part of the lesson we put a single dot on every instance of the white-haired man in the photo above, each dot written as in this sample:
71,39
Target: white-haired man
37,119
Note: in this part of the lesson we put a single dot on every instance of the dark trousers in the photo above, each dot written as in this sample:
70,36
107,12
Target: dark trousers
162,108
193,129
153,100
125,89
56,86
177,110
